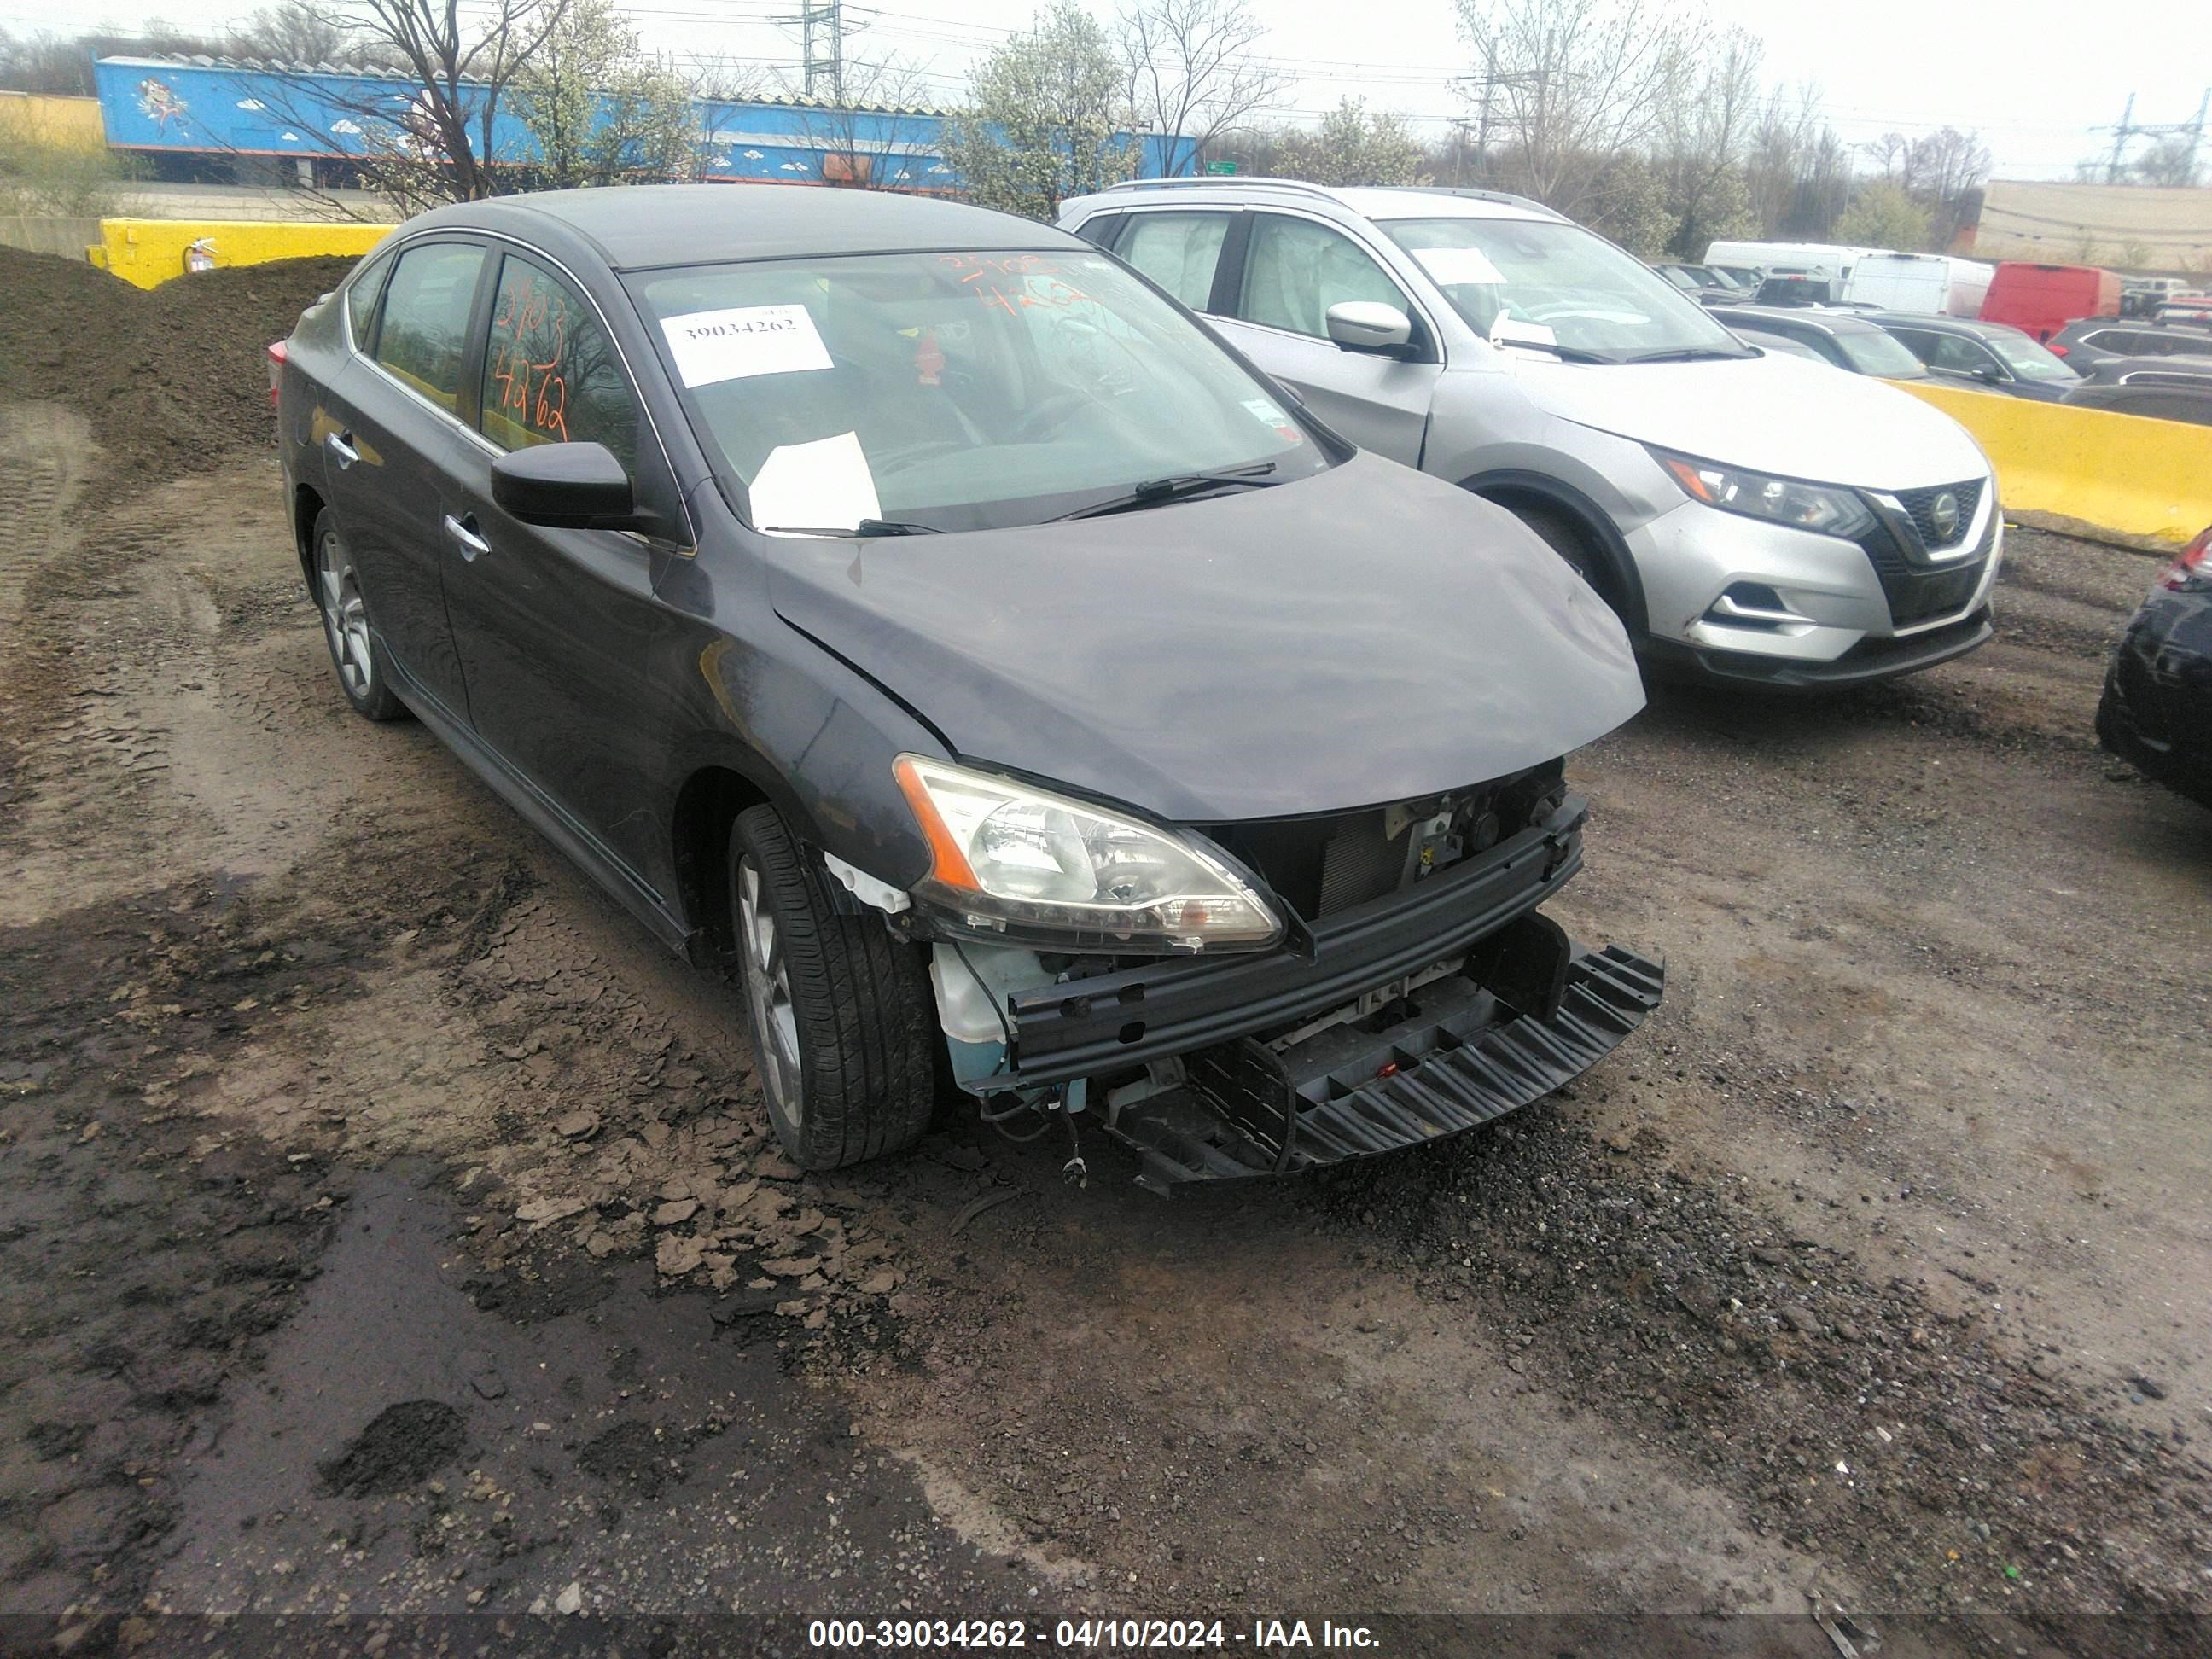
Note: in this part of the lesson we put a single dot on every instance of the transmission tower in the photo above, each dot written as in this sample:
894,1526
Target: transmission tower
822,29
2193,130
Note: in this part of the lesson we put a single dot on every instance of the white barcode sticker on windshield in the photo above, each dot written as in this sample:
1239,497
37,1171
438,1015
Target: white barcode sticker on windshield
1449,266
712,346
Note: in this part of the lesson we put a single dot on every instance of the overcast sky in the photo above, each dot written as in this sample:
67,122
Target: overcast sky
2035,77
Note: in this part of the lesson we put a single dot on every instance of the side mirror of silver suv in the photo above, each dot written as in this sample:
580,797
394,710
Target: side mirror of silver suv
1367,326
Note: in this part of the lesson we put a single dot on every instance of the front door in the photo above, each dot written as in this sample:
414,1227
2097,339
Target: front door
571,639
1294,270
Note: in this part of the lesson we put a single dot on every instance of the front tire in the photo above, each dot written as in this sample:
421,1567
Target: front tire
345,626
1571,544
843,1023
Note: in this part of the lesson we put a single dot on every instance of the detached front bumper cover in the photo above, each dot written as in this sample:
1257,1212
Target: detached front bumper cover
1252,1111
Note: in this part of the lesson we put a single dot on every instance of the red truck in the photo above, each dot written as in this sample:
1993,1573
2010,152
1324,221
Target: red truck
2043,299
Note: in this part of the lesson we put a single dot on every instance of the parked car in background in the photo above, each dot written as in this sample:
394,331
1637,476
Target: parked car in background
1843,339
2194,310
1746,278
1990,355
2156,710
2089,341
2040,300
1781,343
2139,296
2187,371
1795,263
1754,520
2152,400
1934,283
908,606
1700,283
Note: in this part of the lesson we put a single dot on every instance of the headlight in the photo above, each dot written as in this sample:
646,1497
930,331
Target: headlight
1023,862
1831,512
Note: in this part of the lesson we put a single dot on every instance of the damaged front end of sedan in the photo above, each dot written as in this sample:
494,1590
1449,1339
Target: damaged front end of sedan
1255,998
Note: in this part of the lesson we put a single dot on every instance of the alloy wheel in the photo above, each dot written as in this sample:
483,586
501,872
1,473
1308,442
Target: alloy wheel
345,617
768,987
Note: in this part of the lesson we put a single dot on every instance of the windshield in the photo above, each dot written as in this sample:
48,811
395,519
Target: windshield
1540,281
956,391
1877,351
2028,360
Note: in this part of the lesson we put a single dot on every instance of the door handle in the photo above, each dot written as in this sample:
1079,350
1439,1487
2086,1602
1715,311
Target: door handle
464,532
340,444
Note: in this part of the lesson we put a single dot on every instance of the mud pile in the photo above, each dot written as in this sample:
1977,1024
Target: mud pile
172,379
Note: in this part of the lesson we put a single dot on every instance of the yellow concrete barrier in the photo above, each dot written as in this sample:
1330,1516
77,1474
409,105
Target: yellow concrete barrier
2121,473
149,252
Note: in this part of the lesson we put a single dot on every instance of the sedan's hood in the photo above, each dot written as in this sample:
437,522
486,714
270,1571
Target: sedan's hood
1772,414
1366,635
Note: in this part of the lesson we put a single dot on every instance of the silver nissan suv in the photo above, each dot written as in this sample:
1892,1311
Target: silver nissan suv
1753,518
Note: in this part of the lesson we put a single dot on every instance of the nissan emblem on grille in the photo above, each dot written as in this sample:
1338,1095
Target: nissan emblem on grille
1945,515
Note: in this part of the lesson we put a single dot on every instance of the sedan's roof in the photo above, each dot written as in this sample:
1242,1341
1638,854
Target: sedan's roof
1972,327
1826,320
635,227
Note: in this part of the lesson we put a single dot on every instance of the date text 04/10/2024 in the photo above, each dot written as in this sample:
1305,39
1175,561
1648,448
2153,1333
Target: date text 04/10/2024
1107,1634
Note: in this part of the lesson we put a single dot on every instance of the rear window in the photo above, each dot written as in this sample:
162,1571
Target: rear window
1178,251
426,319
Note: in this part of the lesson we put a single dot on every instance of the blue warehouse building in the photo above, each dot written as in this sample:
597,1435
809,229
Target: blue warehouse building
256,121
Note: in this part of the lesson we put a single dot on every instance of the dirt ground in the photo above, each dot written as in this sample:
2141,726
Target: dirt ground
388,1227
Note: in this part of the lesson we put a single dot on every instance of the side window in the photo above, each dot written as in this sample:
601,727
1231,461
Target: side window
360,300
1295,271
1922,346
1959,355
551,372
1178,251
1099,230
426,319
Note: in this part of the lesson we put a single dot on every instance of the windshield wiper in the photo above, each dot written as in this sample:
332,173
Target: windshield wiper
1154,492
1565,354
1688,355
866,527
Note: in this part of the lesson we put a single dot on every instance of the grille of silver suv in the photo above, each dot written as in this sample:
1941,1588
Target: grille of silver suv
1920,506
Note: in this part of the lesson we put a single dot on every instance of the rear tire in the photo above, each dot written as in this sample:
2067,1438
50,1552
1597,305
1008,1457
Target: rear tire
844,1023
336,586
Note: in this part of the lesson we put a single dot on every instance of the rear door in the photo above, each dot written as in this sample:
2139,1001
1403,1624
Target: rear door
1277,295
396,452
570,646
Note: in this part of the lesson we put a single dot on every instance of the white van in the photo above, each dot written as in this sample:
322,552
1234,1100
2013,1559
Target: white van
1931,284
1802,273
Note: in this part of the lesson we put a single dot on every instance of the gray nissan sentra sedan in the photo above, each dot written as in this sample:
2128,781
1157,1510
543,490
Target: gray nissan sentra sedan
914,609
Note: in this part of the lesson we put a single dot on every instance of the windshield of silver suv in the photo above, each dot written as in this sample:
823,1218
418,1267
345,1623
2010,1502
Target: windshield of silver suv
932,391
1539,282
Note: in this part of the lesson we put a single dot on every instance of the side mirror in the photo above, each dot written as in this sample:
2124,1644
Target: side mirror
1990,375
566,487
1368,325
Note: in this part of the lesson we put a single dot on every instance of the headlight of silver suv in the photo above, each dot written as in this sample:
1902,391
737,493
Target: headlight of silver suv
1827,509
1019,862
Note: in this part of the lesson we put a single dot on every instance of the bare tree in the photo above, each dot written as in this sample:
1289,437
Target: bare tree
430,139
1573,83
1706,129
298,32
1193,74
873,136
2170,161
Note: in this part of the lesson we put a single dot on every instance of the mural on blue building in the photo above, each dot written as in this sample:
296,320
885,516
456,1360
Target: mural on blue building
207,107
